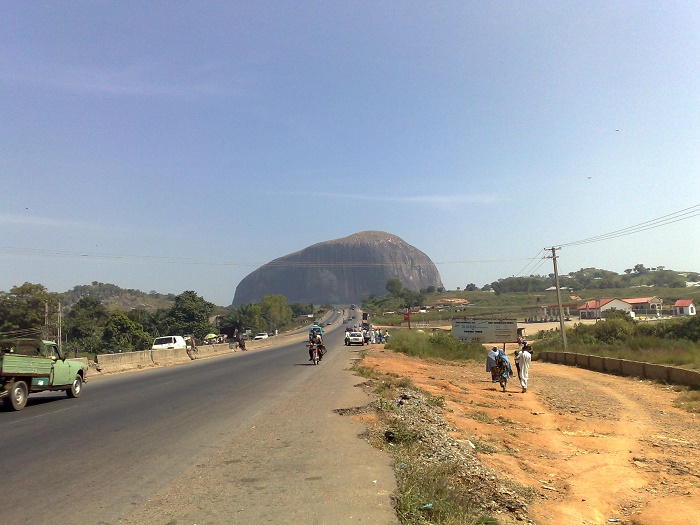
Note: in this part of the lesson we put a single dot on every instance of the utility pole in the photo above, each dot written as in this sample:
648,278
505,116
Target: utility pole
45,333
561,310
60,322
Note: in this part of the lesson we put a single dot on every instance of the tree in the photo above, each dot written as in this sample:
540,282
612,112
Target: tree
301,309
153,321
190,315
24,307
640,269
84,324
120,332
275,310
394,287
247,317
471,287
411,298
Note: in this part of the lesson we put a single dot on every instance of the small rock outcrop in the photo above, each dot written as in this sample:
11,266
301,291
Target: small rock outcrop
341,271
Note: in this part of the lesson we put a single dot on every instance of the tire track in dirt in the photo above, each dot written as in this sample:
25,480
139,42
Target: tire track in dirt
596,447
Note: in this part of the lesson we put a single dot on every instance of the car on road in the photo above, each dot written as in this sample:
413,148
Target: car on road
261,335
354,338
329,323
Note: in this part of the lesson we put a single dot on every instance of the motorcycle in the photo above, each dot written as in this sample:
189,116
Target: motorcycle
315,352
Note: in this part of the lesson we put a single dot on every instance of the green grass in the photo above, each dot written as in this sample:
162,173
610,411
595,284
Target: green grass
688,400
438,344
481,417
434,495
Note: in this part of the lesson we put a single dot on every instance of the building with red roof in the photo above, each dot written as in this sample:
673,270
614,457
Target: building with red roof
594,308
648,305
684,307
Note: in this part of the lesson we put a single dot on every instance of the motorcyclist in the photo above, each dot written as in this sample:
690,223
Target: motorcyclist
316,340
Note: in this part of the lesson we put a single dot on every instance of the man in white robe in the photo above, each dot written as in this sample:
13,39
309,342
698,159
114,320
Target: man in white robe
523,361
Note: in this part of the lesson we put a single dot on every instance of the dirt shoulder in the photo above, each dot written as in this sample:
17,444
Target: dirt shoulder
597,448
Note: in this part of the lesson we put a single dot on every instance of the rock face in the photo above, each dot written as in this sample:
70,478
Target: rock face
341,271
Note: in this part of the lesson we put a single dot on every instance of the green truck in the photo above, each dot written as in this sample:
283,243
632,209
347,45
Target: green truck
33,365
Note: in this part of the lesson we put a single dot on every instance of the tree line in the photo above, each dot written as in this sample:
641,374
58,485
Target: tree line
89,326
593,279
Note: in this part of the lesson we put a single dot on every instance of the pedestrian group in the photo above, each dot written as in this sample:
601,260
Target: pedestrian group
498,365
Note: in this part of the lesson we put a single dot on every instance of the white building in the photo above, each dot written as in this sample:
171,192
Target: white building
594,308
684,307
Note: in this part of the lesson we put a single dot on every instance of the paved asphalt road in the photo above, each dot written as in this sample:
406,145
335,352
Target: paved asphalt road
133,440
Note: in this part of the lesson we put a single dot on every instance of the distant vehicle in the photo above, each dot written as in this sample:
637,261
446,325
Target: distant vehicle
354,338
169,342
352,307
329,323
315,328
261,335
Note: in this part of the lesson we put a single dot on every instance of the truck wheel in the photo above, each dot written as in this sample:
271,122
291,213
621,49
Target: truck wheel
18,396
76,388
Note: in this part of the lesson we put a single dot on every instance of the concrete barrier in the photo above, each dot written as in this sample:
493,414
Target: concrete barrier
110,363
582,360
211,350
596,363
684,376
632,368
657,372
669,374
569,358
125,361
170,356
613,366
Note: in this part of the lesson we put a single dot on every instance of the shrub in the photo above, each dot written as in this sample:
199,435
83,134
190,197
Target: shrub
438,344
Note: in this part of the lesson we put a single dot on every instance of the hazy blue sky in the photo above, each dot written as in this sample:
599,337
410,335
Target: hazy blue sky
175,146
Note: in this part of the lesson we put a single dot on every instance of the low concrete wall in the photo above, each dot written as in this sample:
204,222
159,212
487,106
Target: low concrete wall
110,363
613,366
170,356
212,350
684,376
569,358
658,372
632,368
125,361
669,374
596,363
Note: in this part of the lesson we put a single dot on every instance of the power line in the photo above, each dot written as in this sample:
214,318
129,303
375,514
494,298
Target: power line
664,220
213,262
540,261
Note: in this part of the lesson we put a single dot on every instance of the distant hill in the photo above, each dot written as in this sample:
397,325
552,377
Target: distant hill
116,298
341,271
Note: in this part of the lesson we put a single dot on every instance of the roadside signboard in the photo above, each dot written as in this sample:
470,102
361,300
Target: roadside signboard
485,330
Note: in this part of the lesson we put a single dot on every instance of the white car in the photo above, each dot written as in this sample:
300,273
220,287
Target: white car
354,338
261,335
169,342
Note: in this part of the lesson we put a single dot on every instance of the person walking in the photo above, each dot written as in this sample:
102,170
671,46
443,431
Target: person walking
524,366
491,364
516,359
504,369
